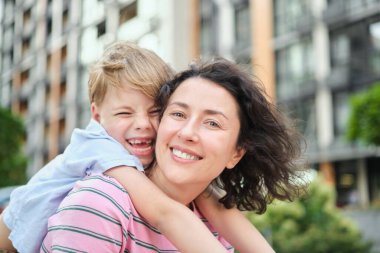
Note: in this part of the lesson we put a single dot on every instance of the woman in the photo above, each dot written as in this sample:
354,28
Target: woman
217,128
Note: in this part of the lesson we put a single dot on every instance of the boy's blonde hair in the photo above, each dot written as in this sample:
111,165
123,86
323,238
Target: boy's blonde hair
125,63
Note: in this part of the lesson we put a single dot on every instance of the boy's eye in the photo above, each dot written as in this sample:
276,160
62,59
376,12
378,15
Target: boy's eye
155,111
123,113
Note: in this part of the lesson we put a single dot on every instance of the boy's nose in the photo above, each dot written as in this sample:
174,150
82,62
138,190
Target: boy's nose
143,122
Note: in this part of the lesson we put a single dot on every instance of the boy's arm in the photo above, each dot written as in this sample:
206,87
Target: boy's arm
5,243
178,223
232,225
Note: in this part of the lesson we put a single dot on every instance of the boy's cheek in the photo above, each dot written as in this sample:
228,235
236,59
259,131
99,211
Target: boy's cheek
155,123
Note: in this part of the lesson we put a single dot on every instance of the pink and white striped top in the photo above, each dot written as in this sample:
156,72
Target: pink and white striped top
98,216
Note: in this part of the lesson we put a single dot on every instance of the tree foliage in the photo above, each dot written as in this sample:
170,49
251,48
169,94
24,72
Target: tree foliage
310,224
12,160
364,120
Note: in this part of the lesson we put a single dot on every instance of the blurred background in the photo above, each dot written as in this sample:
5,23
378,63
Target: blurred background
318,59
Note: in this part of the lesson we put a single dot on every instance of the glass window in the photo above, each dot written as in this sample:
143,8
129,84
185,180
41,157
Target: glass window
242,25
128,12
374,33
295,69
373,165
303,110
289,15
101,27
346,183
208,36
341,113
355,53
340,50
6,93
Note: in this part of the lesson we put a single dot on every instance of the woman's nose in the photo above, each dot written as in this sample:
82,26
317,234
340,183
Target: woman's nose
189,131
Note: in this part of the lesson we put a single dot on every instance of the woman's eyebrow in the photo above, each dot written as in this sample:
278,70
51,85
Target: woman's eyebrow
215,112
184,105
208,111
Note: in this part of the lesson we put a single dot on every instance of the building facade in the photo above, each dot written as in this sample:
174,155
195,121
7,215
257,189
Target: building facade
326,51
311,55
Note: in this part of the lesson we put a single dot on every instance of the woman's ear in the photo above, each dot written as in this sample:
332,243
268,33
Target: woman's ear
239,153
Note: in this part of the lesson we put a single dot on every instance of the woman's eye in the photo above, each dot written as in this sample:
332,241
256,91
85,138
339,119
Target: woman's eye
213,124
177,114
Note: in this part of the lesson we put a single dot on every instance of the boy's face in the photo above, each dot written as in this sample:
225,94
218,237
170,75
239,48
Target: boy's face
131,118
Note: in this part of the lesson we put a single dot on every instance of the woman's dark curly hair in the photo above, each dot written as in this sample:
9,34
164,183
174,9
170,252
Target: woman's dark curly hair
268,170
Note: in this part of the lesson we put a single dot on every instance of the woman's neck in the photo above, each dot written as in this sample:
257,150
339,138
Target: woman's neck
184,194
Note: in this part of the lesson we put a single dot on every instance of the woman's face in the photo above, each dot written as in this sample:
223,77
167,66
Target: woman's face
197,135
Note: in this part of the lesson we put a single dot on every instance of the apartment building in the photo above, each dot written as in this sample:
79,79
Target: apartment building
46,47
312,55
327,51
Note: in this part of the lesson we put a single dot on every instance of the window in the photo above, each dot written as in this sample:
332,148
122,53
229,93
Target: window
5,93
49,27
355,53
242,25
128,12
23,107
290,15
295,69
374,33
303,110
27,17
373,165
346,183
340,50
341,114
24,76
65,20
208,36
26,44
101,28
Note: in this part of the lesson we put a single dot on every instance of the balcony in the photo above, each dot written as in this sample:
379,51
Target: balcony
342,12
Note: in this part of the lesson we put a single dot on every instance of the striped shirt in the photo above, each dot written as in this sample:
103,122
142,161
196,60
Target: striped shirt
98,216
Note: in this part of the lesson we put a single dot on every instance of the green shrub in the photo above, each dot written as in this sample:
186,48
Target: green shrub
12,160
364,120
310,224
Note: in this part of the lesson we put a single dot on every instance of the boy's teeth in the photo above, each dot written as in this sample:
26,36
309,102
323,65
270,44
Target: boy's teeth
183,155
134,142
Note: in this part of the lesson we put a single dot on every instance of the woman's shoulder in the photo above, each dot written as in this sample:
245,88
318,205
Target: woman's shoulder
100,192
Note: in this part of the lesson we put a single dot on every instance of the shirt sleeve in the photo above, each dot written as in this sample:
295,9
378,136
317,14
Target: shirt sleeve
95,151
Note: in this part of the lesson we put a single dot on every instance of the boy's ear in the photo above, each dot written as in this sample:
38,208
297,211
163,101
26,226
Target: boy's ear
239,153
95,112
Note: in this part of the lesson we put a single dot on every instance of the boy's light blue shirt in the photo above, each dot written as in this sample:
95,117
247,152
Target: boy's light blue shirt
90,151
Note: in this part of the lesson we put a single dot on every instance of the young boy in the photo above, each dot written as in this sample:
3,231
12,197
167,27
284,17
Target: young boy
122,87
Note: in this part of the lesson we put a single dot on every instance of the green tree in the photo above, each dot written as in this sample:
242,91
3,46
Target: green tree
364,120
310,224
12,160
